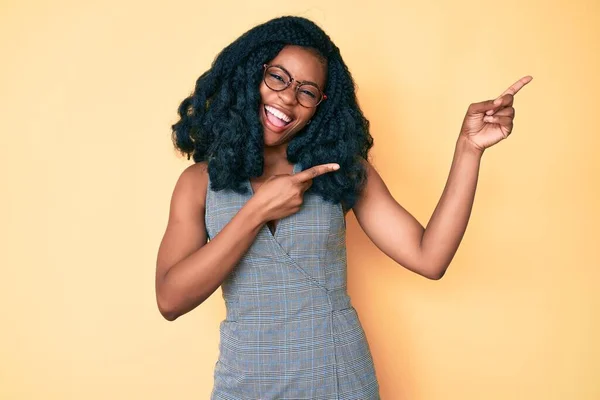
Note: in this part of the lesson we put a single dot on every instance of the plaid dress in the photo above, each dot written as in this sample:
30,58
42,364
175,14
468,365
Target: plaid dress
290,331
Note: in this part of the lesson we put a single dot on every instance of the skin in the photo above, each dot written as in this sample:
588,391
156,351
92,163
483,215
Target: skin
303,65
189,269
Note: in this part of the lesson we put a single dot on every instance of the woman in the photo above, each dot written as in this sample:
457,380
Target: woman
281,155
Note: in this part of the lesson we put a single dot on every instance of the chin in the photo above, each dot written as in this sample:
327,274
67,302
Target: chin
271,139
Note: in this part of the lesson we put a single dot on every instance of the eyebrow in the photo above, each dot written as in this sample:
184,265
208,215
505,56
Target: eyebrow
288,72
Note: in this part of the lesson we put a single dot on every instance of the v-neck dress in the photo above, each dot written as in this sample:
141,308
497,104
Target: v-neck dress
290,331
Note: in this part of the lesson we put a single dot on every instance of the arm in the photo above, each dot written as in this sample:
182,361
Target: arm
188,269
426,251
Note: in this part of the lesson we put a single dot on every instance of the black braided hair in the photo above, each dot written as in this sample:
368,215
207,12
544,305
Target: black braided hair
219,121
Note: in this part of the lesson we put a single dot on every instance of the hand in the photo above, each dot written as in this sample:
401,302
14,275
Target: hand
282,195
491,121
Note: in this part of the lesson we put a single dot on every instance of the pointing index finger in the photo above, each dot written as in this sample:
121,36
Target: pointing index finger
315,171
518,85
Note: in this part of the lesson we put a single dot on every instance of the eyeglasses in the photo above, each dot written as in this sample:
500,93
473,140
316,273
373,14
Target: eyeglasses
307,93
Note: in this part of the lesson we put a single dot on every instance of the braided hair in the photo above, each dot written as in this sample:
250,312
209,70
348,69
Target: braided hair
219,121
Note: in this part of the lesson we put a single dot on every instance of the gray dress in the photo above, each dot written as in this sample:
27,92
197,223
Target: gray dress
290,330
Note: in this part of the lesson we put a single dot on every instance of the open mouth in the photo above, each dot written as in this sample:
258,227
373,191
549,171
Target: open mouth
276,117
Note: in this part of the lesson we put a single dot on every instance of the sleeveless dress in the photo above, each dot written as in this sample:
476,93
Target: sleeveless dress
290,331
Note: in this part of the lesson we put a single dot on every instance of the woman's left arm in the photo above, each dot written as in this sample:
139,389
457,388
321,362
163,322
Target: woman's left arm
429,251
400,236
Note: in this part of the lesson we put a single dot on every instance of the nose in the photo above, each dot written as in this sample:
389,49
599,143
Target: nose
288,95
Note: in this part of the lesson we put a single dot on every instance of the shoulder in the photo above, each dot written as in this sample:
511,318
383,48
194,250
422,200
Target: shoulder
199,170
362,188
372,188
371,177
192,185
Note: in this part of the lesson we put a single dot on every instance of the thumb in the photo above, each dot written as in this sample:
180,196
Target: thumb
482,107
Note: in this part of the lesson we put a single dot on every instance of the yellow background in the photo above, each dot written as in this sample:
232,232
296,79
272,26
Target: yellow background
88,91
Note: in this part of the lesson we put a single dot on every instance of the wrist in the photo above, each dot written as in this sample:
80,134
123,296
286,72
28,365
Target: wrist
255,212
465,145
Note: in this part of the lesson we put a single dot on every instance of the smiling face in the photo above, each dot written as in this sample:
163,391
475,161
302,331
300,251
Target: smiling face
280,113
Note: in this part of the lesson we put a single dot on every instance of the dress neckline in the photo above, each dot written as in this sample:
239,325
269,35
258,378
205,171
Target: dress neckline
278,224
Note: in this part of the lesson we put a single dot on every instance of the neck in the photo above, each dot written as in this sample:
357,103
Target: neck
274,156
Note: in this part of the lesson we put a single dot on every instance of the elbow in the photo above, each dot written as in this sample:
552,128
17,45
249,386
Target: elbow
167,307
169,316
435,274
168,313
172,304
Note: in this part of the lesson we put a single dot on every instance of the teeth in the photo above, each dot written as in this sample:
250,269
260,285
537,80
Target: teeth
278,114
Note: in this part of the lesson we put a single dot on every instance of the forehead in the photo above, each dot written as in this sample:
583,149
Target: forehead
303,64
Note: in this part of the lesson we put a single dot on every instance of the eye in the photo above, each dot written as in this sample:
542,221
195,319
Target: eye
276,76
308,93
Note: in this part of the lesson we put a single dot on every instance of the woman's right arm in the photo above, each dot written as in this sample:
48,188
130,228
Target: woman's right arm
188,269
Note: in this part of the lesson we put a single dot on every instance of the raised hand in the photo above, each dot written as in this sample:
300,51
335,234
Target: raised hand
283,195
491,121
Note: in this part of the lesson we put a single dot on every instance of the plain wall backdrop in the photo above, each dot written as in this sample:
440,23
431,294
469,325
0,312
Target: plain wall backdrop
89,90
